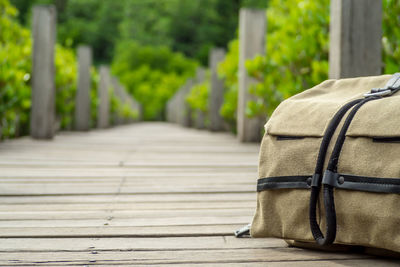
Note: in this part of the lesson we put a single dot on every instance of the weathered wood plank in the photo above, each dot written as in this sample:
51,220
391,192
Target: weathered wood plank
120,231
122,214
164,243
188,205
130,199
174,257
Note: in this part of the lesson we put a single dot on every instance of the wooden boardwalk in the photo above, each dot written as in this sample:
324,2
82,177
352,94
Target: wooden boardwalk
144,194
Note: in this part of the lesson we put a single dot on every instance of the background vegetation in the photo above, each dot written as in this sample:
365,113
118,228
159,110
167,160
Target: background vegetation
297,50
15,78
153,46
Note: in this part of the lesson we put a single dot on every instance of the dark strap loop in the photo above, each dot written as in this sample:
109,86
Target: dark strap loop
330,174
317,177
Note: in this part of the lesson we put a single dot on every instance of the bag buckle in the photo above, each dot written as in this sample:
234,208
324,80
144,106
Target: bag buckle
244,231
391,87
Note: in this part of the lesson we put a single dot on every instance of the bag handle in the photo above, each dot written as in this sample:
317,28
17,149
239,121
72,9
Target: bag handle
317,177
328,181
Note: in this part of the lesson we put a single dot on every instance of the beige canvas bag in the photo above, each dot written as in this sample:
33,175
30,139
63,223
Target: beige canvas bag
329,169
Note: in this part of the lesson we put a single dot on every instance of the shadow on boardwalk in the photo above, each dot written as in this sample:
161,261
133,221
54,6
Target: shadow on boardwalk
148,193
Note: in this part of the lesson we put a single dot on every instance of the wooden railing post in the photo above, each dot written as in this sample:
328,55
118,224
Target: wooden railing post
173,106
187,111
42,121
127,98
355,38
252,29
119,94
216,97
200,116
170,116
82,106
103,113
183,111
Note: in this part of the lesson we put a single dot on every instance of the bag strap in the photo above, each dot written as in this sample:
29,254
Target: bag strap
317,177
329,177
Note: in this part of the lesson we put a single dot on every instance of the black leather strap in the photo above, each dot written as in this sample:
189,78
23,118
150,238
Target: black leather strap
281,182
367,184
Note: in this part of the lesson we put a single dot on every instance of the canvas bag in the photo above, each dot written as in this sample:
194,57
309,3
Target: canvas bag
329,168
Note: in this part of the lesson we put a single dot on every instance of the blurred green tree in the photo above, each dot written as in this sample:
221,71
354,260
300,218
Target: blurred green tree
190,27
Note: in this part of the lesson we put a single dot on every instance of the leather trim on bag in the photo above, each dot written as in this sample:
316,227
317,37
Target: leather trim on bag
281,182
368,184
386,139
288,137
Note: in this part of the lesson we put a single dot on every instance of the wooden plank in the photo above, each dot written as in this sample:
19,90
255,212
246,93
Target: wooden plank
145,222
162,243
316,263
135,206
124,214
135,198
173,257
121,231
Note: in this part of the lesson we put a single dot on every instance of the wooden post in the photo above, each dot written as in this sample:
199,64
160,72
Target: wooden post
171,107
183,111
216,97
355,38
42,122
127,98
200,116
103,113
118,119
82,106
252,29
187,111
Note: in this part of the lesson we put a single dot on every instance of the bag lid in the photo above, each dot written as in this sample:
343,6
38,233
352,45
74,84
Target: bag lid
309,113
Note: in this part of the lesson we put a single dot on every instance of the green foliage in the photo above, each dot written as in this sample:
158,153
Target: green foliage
198,96
190,27
15,73
151,74
228,69
391,36
120,111
66,80
15,77
297,49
